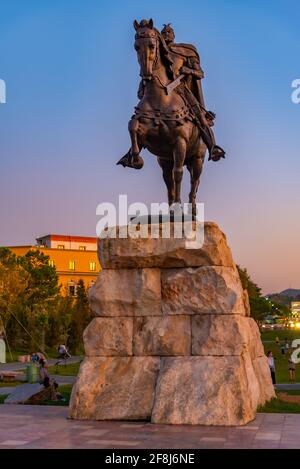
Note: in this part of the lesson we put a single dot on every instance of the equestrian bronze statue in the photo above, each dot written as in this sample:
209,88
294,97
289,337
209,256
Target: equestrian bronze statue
170,119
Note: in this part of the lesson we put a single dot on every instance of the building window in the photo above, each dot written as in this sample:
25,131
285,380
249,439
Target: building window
93,266
72,265
51,262
72,290
82,248
61,246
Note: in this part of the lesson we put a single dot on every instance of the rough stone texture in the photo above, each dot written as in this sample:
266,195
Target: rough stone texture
29,394
255,345
205,391
225,335
202,290
246,302
169,335
108,337
126,292
173,340
162,252
116,388
262,372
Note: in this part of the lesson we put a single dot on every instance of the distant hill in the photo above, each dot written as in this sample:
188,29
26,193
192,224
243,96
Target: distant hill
291,292
286,296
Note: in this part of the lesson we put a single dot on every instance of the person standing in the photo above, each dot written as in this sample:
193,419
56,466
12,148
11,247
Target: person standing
287,345
271,363
277,340
292,369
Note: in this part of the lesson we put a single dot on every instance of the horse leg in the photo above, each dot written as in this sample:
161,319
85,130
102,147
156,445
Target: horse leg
167,169
135,159
195,168
179,153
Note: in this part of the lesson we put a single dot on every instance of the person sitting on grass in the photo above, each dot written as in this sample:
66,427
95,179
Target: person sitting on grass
292,369
48,382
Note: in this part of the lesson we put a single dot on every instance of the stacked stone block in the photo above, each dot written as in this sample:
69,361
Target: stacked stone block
172,340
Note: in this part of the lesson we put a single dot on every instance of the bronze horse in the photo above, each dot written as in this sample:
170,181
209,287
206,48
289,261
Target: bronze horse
163,123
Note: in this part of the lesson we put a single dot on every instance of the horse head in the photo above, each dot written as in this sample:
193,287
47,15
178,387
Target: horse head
150,46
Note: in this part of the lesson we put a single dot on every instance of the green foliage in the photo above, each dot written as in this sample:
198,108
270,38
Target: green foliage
253,290
259,305
33,313
43,279
81,317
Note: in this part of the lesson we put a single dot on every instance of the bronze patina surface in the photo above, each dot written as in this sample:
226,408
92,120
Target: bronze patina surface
170,119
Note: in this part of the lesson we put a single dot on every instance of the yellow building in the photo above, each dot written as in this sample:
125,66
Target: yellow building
74,257
295,309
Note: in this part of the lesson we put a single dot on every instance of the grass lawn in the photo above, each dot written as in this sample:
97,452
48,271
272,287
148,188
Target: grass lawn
281,361
68,370
10,384
290,334
276,405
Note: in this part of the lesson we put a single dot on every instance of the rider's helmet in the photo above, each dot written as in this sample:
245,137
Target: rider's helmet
168,33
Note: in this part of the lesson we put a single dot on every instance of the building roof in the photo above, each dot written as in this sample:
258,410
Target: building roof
57,237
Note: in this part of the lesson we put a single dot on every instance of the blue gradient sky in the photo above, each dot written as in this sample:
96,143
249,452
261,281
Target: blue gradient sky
72,75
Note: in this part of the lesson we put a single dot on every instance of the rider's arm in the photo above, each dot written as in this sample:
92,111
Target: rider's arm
193,68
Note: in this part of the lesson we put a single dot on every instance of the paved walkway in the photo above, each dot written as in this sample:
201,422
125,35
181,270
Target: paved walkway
16,366
48,427
58,378
288,387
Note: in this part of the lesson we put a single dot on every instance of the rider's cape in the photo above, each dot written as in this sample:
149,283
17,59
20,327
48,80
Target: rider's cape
189,52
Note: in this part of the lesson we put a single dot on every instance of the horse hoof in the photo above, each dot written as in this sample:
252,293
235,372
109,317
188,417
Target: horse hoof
138,163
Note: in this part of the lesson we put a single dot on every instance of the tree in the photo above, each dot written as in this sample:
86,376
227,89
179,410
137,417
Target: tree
13,283
60,321
41,293
253,290
259,306
81,316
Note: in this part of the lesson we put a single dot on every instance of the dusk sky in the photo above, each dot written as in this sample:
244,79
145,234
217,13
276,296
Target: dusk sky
72,75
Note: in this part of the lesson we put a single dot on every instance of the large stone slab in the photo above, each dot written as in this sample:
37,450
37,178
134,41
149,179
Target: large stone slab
262,372
169,335
206,391
117,253
255,345
108,337
126,292
116,388
221,335
202,290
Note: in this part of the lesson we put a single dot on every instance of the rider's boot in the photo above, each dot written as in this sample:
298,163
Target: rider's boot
215,152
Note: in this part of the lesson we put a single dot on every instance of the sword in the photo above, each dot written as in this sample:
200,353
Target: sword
171,86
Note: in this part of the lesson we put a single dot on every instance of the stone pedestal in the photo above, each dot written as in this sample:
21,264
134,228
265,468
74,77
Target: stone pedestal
172,340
